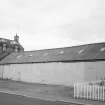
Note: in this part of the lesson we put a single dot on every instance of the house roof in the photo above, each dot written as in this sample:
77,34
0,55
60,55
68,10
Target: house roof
10,44
88,52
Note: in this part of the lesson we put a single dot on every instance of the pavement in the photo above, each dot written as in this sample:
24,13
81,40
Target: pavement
12,99
44,92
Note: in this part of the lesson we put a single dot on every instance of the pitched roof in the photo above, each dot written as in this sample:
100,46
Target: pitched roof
86,52
9,47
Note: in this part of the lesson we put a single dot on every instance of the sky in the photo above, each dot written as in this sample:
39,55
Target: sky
44,24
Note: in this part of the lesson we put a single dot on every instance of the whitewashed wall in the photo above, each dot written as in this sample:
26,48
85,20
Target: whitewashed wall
48,73
94,70
1,72
54,73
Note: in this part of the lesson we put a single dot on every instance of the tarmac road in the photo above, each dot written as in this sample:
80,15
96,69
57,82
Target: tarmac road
12,99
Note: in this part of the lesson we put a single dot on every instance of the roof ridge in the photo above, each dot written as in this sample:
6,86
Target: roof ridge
84,52
66,47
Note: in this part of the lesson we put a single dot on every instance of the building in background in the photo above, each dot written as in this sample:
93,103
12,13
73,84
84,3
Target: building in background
8,46
60,66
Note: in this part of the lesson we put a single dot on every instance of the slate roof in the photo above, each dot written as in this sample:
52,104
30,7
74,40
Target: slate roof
88,52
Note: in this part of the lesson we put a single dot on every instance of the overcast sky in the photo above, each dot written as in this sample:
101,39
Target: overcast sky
53,23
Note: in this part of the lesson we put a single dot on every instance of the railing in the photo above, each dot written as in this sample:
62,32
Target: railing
89,91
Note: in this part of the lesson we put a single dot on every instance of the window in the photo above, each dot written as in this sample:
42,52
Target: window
61,52
30,55
19,56
82,50
102,49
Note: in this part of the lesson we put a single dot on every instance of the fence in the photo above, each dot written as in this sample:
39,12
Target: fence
89,91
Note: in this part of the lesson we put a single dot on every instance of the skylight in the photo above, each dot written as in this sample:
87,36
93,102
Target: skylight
79,52
19,56
102,49
61,52
30,55
13,42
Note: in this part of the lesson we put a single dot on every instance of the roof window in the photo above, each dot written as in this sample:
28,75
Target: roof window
61,52
19,56
82,50
30,55
102,49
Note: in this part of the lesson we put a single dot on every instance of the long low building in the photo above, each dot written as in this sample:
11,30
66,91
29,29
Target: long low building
60,66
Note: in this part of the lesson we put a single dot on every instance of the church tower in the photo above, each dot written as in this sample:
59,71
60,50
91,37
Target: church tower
16,38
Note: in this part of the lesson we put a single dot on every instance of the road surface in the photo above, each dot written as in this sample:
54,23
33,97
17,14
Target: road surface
12,99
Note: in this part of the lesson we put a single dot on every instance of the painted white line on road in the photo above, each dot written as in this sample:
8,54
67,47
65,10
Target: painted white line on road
39,97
